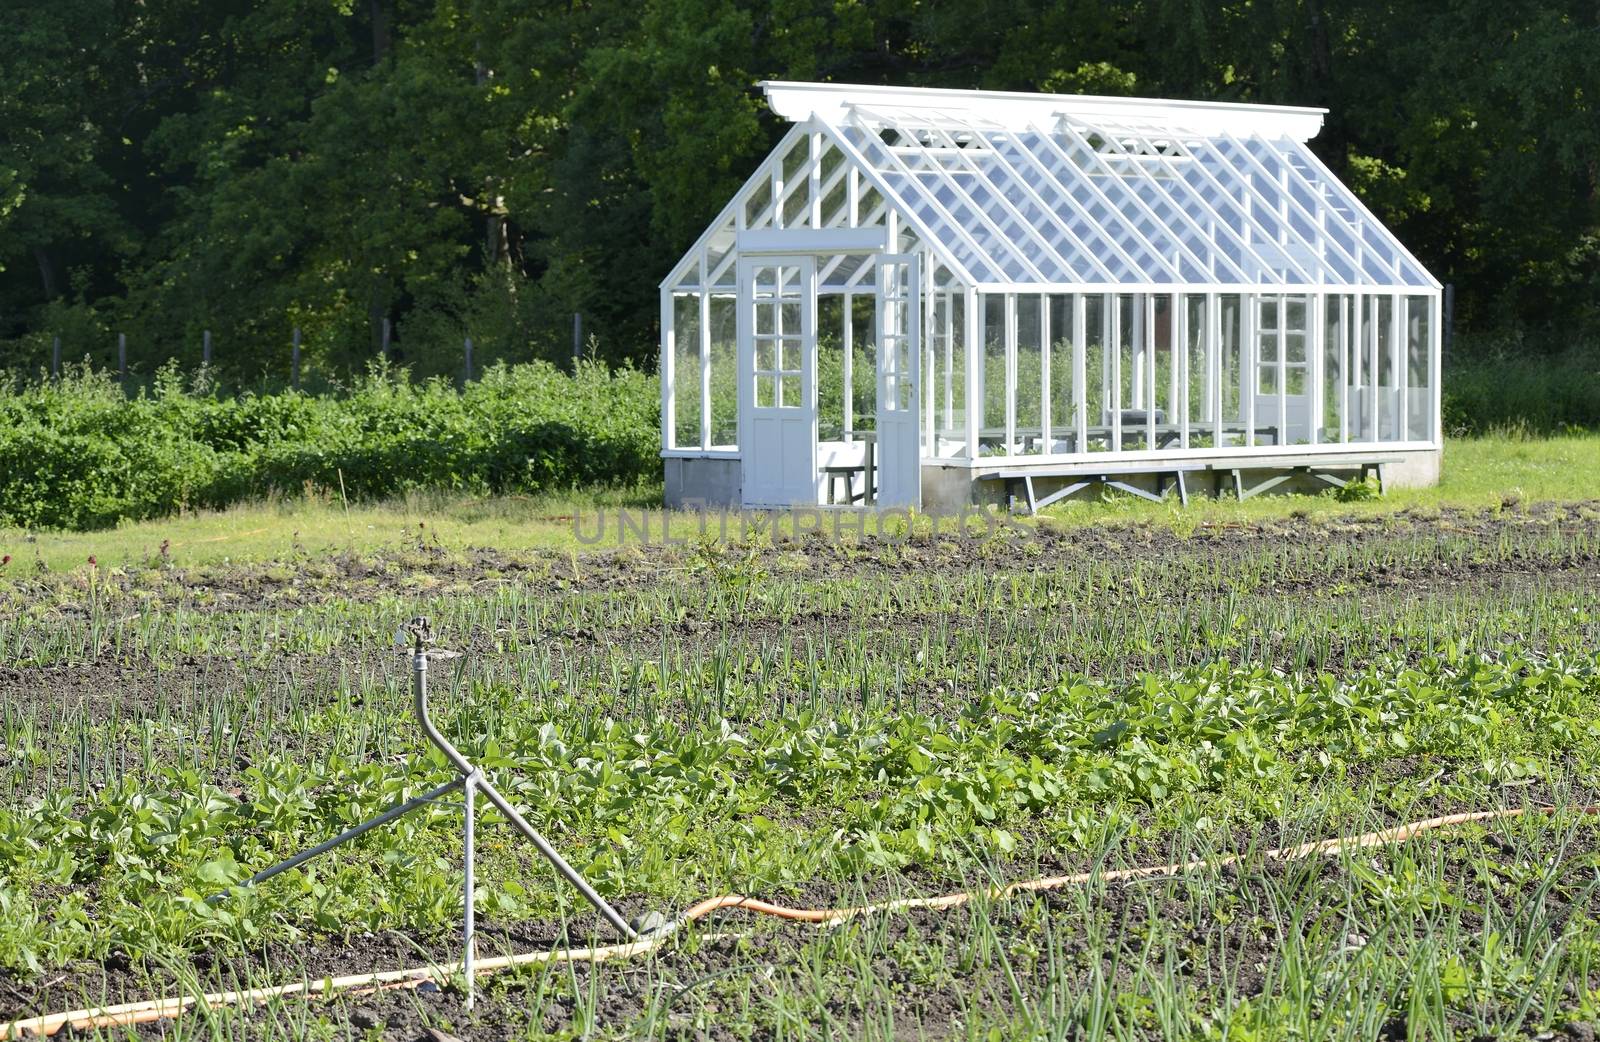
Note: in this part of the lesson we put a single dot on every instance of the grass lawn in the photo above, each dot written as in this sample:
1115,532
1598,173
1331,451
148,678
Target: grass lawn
1479,472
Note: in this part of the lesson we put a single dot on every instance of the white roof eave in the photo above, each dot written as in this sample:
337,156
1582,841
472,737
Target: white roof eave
831,103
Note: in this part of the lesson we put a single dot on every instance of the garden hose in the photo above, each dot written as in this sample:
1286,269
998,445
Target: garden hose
144,1012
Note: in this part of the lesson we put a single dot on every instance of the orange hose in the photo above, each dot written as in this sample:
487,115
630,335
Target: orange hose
1382,837
144,1012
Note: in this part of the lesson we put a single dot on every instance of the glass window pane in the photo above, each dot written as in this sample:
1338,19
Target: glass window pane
830,368
1097,371
933,370
1269,380
724,372
1419,372
1164,373
756,207
1335,326
1063,403
951,402
864,362
1390,422
1362,399
686,397
1127,400
1295,313
1233,379
1030,373
797,208
992,331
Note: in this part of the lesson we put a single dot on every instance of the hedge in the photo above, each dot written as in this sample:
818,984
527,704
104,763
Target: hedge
77,453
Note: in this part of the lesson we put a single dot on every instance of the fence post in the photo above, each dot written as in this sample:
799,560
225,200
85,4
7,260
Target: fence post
294,361
469,361
386,340
577,337
205,349
55,358
1448,319
122,357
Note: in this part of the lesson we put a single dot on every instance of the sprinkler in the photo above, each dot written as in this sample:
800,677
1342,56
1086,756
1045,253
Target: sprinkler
418,634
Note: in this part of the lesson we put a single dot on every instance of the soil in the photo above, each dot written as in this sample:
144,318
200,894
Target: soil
685,983
422,570
685,980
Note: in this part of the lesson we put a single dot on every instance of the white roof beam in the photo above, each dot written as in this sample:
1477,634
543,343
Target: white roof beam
892,197
1221,228
833,262
1016,215
1050,210
1105,200
1199,166
1354,201
946,217
726,217
978,211
1066,175
1311,219
833,104
1148,178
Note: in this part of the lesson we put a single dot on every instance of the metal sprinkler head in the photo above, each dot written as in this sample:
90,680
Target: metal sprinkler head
418,633
470,780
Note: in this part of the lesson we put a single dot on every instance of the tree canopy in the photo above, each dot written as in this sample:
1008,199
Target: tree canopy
490,167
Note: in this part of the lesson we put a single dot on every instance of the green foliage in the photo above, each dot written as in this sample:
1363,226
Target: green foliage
1357,490
900,789
489,169
834,723
79,454
1511,384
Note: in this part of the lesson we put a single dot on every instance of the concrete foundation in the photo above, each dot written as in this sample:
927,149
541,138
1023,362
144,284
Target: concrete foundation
717,483
701,484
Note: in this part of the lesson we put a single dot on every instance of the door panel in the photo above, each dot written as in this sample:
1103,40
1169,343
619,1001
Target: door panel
899,378
778,381
1283,372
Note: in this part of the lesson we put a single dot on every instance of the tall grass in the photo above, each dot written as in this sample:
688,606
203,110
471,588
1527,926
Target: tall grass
1511,382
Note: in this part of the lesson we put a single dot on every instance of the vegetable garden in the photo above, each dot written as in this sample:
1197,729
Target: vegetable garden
827,723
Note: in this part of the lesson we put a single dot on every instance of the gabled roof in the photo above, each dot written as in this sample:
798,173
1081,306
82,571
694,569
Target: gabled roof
1060,191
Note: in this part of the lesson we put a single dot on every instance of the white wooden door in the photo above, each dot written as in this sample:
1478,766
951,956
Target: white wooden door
899,378
1283,371
778,381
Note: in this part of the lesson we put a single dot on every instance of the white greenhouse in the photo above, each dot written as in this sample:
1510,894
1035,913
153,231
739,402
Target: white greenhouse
927,298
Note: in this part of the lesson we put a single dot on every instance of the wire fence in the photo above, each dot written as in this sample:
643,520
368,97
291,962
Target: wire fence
469,369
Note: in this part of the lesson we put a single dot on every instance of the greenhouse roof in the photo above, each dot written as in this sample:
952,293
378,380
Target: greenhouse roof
1066,190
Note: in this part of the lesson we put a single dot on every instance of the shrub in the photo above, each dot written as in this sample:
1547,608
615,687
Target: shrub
79,454
1509,383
